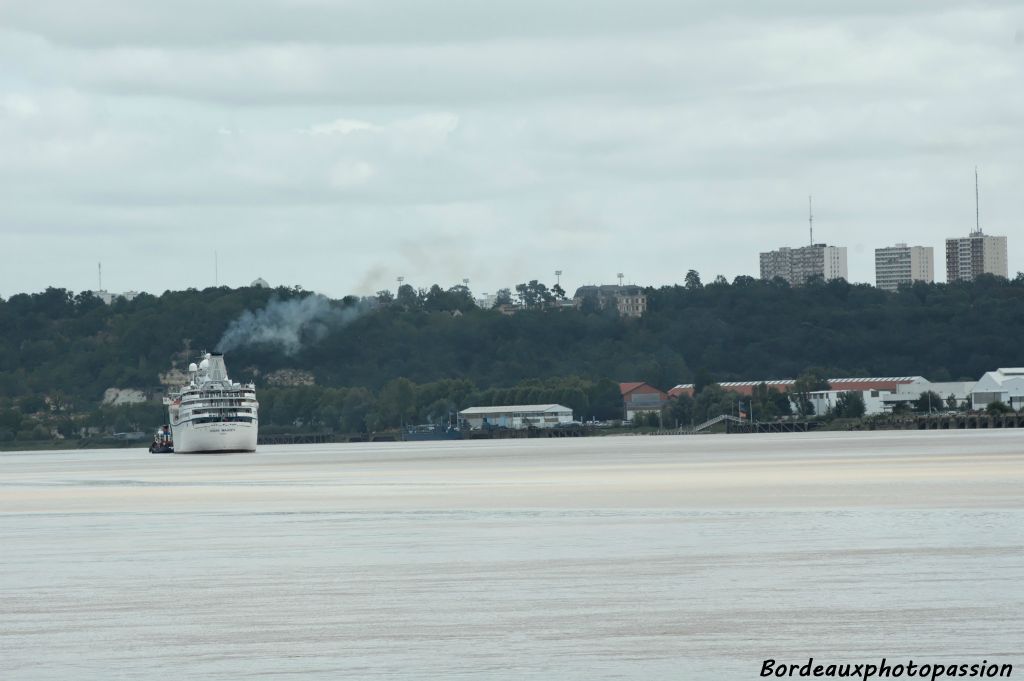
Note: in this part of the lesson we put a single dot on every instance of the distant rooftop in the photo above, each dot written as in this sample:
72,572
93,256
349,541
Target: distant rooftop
517,408
862,383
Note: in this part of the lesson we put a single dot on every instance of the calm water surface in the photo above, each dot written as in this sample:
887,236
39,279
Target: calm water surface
602,558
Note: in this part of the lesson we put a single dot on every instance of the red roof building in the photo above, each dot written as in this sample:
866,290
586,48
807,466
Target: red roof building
887,384
640,397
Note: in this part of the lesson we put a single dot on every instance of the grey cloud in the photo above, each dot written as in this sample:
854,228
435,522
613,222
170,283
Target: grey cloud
337,146
191,23
677,61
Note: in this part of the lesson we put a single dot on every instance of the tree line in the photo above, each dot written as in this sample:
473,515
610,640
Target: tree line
61,350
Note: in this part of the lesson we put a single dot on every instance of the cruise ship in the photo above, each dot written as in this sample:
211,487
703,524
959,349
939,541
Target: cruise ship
212,414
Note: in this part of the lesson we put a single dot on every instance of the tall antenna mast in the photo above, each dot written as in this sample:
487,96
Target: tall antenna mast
810,217
216,270
99,275
977,204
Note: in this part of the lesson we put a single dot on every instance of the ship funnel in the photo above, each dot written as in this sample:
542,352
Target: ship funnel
216,371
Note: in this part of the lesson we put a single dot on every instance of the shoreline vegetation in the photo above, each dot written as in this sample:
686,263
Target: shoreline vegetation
359,366
936,422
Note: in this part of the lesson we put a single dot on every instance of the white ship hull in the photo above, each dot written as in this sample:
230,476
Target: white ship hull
214,437
212,413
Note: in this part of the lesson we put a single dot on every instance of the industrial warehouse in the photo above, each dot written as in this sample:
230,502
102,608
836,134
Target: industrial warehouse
880,395
517,416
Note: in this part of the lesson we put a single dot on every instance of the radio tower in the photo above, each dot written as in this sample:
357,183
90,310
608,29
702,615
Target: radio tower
810,217
977,204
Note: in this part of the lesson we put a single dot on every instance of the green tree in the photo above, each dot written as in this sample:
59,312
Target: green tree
31,404
533,294
681,410
702,381
714,401
692,281
10,420
928,402
810,381
355,409
850,405
460,298
397,402
436,300
408,297
997,408
769,403
605,401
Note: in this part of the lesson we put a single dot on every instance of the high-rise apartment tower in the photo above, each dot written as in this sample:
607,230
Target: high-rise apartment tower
797,265
903,264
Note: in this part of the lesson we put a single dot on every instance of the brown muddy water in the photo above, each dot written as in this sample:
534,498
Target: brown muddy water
599,558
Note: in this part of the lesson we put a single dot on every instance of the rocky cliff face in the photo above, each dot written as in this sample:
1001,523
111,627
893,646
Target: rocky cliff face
117,396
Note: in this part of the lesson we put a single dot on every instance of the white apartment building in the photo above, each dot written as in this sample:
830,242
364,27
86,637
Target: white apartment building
109,298
797,265
903,264
975,254
486,301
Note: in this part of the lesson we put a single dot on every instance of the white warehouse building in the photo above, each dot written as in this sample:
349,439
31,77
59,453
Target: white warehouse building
517,416
1001,385
881,398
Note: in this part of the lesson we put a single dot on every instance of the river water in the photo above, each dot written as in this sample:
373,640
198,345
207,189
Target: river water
599,558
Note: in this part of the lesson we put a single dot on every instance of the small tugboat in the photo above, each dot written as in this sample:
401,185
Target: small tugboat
162,442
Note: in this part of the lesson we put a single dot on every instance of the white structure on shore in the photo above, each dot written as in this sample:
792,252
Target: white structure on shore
903,264
517,416
1001,385
882,400
960,391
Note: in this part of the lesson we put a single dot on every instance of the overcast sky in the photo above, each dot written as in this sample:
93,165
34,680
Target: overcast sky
338,144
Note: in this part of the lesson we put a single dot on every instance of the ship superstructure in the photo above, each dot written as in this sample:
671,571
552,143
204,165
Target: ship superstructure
212,413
